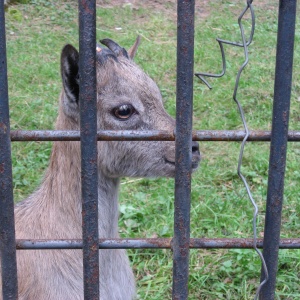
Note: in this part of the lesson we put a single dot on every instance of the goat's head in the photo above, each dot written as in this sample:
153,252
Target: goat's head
127,99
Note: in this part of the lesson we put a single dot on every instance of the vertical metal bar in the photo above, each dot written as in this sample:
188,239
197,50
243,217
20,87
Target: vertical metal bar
7,224
88,128
279,135
184,108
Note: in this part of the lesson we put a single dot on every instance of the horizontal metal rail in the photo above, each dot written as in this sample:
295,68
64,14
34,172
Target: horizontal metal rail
155,243
154,135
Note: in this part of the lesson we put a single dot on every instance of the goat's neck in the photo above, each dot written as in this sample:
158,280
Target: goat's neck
61,192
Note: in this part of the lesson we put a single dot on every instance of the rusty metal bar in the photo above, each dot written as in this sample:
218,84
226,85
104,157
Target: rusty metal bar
183,144
154,135
88,134
7,224
102,135
154,243
279,137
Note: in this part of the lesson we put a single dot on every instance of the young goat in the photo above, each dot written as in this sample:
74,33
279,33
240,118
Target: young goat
127,99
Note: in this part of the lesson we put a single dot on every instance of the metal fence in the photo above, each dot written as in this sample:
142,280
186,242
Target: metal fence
88,135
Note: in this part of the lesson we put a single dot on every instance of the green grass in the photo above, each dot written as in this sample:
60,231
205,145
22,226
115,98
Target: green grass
37,31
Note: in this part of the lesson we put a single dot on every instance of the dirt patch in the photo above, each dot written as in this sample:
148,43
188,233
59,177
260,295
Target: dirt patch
202,8
166,6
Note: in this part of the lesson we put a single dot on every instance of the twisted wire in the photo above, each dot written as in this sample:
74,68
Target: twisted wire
244,44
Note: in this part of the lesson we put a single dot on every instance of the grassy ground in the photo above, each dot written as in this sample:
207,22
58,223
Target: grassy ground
36,32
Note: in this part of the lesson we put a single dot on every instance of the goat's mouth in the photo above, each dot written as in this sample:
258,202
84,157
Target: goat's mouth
195,163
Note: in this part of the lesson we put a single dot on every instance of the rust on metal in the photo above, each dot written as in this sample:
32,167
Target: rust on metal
8,263
155,243
154,135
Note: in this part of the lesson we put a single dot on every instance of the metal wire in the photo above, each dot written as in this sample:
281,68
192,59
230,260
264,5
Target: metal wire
244,44
221,42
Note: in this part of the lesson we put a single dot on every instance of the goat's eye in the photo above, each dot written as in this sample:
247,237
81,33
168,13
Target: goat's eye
124,111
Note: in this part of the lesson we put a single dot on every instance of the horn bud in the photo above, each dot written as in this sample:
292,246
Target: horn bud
114,47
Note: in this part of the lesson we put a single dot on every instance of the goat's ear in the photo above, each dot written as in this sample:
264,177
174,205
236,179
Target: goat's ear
133,49
70,73
70,78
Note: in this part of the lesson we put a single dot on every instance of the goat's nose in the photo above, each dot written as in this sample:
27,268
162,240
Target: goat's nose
195,148
195,155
